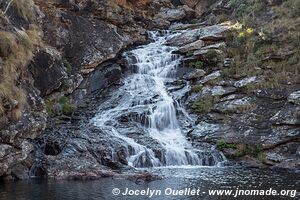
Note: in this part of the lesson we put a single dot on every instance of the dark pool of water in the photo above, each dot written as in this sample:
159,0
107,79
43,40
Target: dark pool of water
203,179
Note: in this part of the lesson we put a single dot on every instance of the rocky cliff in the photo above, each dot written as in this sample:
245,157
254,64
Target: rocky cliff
55,53
60,58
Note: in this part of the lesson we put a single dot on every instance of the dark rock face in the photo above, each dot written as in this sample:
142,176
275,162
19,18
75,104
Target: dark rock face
102,78
88,43
16,145
48,72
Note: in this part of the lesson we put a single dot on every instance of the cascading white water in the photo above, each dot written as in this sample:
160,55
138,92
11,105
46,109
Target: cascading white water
144,92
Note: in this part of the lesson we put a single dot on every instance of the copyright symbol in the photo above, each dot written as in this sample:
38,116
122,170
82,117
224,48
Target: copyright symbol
116,191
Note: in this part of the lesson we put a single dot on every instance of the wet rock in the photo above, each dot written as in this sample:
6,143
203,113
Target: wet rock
208,33
210,77
183,38
294,98
194,75
216,46
235,106
103,77
191,47
204,129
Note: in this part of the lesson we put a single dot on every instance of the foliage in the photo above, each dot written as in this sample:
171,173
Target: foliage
196,88
204,105
68,66
242,150
211,54
67,107
246,8
15,53
196,64
221,145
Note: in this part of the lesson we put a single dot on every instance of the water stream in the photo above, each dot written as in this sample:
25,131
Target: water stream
145,95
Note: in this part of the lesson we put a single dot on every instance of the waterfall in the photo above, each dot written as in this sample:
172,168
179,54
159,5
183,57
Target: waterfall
145,94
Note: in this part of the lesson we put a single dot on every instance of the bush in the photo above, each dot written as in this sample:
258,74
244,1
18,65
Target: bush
68,66
197,64
246,8
204,105
211,54
196,88
221,145
66,107
243,150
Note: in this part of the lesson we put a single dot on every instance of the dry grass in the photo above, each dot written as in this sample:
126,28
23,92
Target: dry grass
25,8
279,38
16,52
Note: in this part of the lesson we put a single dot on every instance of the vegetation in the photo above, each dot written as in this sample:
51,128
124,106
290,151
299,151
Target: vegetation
196,88
221,145
15,53
60,106
66,107
68,66
242,150
24,8
261,48
204,105
211,54
196,64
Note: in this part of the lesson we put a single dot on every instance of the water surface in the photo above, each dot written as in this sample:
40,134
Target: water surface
204,179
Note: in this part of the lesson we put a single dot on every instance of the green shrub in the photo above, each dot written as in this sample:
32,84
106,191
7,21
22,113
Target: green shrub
66,107
221,145
243,150
211,54
246,8
68,66
196,64
196,88
204,105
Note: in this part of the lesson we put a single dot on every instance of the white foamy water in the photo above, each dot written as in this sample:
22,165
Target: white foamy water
144,93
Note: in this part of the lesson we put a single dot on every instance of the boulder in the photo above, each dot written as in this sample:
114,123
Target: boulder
48,71
198,5
210,77
216,46
235,106
194,75
191,47
101,78
203,52
246,81
217,90
182,39
171,14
